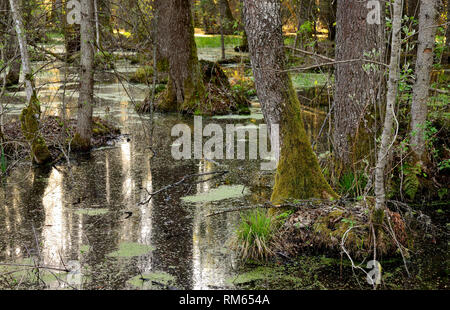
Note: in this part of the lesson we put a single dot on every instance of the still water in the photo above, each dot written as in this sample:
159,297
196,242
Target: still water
95,213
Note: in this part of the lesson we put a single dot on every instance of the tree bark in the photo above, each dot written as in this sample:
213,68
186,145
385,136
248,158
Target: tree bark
30,115
298,173
176,48
356,89
11,50
387,137
83,135
428,18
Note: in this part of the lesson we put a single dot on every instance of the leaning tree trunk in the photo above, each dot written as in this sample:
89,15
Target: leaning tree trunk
356,89
31,113
428,18
298,173
176,46
82,139
387,136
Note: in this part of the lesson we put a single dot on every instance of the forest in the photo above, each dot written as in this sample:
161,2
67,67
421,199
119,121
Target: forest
224,144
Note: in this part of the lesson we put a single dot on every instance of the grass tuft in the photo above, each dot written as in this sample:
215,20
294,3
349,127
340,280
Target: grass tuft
255,235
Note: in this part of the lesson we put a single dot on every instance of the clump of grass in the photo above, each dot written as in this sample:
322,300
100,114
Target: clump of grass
255,235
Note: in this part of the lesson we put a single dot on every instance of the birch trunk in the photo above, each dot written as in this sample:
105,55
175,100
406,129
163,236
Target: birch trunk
428,18
298,173
387,136
82,139
30,116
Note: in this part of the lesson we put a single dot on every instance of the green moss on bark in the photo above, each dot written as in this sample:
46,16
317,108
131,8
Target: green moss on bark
79,144
29,120
298,175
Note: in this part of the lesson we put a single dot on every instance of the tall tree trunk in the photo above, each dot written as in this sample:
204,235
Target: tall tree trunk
31,113
82,139
428,20
356,89
176,45
12,51
387,136
298,172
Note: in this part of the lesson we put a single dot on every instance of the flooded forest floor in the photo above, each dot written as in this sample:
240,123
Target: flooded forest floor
102,216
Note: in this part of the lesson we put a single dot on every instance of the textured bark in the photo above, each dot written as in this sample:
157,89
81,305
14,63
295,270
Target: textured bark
356,89
176,46
82,139
31,113
386,137
298,172
12,50
13,75
428,20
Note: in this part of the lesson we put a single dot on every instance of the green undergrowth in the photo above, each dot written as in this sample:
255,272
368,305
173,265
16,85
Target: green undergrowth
214,41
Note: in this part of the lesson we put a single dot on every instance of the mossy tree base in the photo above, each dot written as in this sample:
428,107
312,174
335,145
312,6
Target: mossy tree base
219,98
299,175
29,120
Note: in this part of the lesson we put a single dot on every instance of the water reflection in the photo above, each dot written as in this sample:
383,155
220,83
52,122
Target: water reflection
43,212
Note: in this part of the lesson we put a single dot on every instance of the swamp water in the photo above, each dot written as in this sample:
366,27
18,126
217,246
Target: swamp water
95,216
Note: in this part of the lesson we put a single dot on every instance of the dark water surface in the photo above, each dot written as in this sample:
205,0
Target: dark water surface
96,213
90,212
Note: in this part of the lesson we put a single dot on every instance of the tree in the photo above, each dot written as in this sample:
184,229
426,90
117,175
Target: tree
356,88
428,18
83,135
298,173
31,113
177,51
10,47
391,97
